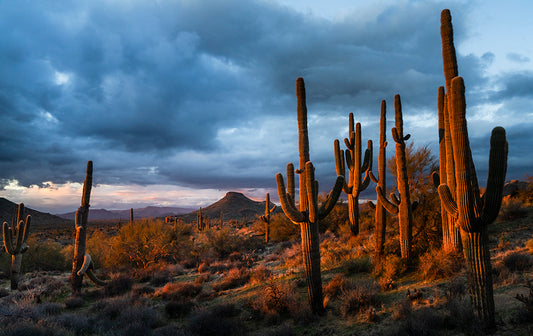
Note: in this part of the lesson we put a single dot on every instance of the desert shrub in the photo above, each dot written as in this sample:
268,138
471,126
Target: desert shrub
49,309
215,322
282,229
512,209
283,330
222,242
44,255
118,284
160,278
25,328
337,218
338,285
138,289
179,290
78,323
236,277
439,264
98,248
292,255
390,267
276,299
260,274
358,299
174,309
74,302
518,261
529,245
357,265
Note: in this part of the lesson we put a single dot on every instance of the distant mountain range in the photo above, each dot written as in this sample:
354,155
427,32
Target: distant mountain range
233,205
8,210
147,212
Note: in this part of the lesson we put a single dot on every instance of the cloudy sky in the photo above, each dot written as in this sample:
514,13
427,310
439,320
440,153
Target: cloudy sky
178,102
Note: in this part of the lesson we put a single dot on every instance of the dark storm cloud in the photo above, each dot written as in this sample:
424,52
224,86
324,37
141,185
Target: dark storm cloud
148,89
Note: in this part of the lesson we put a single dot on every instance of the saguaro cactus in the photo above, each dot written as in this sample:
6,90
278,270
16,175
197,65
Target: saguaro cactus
21,229
200,224
358,175
309,214
402,204
475,213
82,263
266,217
381,181
131,215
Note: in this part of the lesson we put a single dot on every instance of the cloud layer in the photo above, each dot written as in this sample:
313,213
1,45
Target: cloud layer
200,94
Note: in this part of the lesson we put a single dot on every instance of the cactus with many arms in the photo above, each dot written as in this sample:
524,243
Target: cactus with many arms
18,246
81,262
472,212
402,204
309,214
358,175
266,217
381,181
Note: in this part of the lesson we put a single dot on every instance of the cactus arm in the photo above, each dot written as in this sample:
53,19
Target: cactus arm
26,228
496,179
339,165
395,136
312,191
290,184
290,211
367,166
8,238
390,207
436,179
371,205
373,177
447,200
87,268
273,208
87,261
332,198
395,198
94,278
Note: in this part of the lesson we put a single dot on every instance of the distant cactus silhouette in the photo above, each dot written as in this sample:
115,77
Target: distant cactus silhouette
402,204
131,215
381,181
21,229
309,214
358,174
82,263
200,224
266,217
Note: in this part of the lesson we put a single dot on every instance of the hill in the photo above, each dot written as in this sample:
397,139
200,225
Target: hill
147,212
8,210
233,205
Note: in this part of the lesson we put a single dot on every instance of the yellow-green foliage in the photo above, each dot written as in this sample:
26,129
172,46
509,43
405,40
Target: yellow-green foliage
43,255
282,229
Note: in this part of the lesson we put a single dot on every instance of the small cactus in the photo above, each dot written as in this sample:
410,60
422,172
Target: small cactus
266,217
131,215
309,214
21,229
200,223
402,204
358,174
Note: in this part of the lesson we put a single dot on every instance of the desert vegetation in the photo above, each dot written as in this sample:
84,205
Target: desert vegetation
438,258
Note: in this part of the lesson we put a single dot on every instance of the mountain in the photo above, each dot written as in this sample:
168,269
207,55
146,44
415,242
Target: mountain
8,210
233,205
147,212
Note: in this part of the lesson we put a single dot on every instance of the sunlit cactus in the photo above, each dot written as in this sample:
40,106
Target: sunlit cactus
309,214
81,263
474,212
358,174
266,217
400,204
200,223
20,228
381,181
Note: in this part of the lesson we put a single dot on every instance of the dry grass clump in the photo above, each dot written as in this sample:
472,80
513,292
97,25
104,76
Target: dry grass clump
236,277
118,284
337,286
357,300
439,264
219,321
260,274
529,245
175,309
179,290
276,299
512,209
518,261
388,269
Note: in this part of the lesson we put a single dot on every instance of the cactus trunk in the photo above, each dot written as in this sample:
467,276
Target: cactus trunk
15,238
16,263
381,181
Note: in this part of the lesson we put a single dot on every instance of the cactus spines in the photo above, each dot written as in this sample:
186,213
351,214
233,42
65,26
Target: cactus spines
309,214
18,246
401,204
266,217
475,213
381,181
358,175
81,232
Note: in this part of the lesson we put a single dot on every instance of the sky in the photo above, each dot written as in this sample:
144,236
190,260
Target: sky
178,102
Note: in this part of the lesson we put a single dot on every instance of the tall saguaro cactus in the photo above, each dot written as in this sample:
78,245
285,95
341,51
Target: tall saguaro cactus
16,247
381,181
475,213
402,204
82,263
200,224
309,214
266,217
358,175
